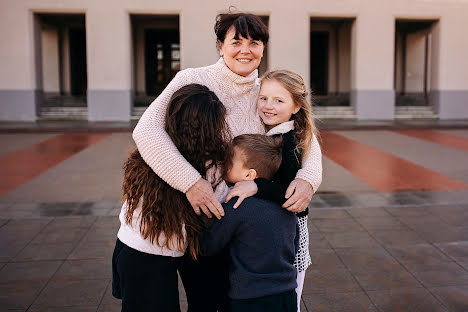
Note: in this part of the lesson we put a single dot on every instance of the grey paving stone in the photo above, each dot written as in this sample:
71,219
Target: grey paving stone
107,222
65,209
454,249
71,223
34,252
338,302
317,202
59,235
3,222
445,235
329,279
453,297
435,197
386,278
92,250
84,269
424,223
113,308
351,240
442,210
328,214
101,234
19,295
324,258
408,211
440,274
397,237
357,212
455,219
64,309
366,259
28,271
370,200
108,299
22,230
419,254
106,205
72,293
337,225
380,223
9,250
115,212
414,300
403,198
318,240
339,200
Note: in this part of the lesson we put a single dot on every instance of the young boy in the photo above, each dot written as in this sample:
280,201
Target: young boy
261,236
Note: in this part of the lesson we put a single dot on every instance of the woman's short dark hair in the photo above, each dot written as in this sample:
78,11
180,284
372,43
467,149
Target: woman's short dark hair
246,25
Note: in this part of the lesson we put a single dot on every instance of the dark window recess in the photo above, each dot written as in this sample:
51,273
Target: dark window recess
162,59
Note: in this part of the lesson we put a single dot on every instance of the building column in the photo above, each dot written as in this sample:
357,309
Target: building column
289,46
372,57
109,64
449,83
20,61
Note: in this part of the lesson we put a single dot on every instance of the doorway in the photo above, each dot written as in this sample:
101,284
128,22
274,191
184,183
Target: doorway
62,65
330,62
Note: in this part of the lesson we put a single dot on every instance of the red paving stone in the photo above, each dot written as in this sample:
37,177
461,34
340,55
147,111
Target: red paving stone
21,166
438,137
383,171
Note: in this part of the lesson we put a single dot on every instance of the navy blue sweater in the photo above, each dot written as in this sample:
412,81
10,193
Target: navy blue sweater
263,239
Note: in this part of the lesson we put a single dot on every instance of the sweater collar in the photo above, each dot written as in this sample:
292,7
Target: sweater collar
282,128
235,78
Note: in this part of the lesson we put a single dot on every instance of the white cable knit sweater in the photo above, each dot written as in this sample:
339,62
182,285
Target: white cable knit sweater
239,95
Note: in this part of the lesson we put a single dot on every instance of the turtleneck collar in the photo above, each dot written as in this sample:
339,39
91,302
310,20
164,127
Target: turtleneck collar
282,128
235,78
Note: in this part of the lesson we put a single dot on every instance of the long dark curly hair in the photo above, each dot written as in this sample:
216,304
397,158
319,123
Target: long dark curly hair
195,122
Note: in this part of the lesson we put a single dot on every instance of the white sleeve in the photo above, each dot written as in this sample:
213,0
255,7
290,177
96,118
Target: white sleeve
155,145
311,170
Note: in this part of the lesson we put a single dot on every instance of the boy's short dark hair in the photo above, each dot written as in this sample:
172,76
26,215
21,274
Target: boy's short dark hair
260,152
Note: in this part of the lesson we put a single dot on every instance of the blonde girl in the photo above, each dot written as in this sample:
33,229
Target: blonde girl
285,111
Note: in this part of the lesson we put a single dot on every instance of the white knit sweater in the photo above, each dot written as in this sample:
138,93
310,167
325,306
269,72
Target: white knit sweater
239,95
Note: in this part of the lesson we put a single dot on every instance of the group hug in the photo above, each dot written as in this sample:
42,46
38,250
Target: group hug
218,187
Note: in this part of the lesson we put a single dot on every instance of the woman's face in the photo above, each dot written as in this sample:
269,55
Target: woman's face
242,55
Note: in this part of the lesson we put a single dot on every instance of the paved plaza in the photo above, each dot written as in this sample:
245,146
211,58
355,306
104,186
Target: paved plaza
388,227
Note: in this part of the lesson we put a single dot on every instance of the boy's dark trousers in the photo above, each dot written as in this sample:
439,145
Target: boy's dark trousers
283,302
206,282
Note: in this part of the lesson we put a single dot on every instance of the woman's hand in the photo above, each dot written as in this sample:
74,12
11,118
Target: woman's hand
303,192
201,196
243,189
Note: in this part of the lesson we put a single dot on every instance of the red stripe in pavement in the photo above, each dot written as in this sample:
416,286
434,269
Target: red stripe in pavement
383,171
437,137
21,166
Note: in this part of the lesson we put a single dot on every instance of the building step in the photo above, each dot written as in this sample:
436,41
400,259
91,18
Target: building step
137,112
334,112
63,113
415,112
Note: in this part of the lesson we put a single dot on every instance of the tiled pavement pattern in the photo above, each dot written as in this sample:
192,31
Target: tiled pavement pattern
371,250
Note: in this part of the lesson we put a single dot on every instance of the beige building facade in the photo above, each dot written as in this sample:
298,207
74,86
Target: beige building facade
106,60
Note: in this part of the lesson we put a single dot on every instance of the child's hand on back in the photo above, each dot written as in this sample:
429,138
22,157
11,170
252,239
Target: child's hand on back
243,189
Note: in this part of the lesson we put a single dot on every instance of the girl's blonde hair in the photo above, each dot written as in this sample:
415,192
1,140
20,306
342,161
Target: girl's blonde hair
304,125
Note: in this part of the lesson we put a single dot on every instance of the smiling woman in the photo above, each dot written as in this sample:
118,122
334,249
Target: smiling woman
241,39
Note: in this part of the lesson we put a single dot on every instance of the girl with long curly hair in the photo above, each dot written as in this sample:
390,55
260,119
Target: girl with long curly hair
158,224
